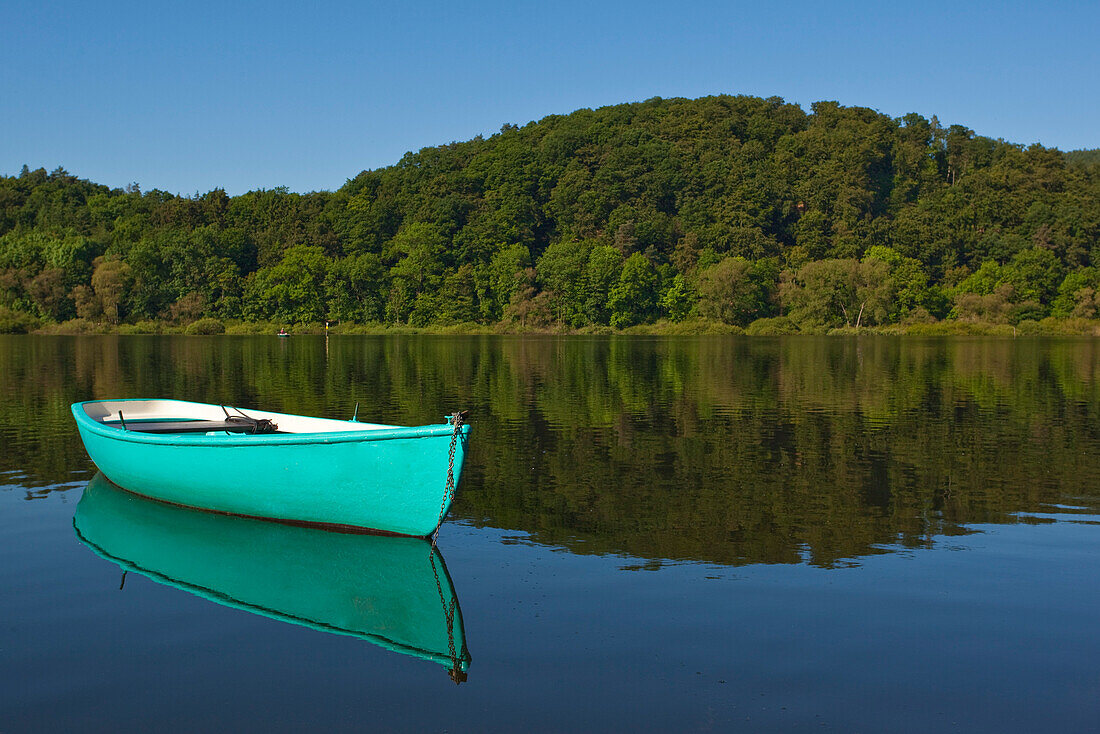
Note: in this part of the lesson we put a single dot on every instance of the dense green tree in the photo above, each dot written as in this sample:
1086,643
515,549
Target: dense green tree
416,273
86,304
841,292
292,290
49,294
1035,274
110,280
602,271
562,273
1083,158
984,280
458,297
187,308
1077,294
355,288
527,306
908,282
735,291
13,289
679,299
993,307
633,300
500,281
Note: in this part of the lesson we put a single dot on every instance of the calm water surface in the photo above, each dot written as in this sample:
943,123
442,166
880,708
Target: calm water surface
713,534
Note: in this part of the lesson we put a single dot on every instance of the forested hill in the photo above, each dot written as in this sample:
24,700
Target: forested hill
1089,157
725,208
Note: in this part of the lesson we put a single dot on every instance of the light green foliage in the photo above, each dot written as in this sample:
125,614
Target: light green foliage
678,300
110,281
562,273
1077,294
602,271
775,326
503,283
416,272
842,292
207,326
634,298
1035,274
908,282
291,291
983,281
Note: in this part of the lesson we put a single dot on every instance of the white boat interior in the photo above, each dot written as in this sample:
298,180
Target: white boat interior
179,416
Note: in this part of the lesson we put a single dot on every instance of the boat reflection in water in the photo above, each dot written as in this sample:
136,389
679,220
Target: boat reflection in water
394,592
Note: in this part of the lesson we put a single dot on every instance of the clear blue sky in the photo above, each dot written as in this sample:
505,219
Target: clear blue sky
189,96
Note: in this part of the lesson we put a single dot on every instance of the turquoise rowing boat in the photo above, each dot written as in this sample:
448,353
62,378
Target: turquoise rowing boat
344,475
392,592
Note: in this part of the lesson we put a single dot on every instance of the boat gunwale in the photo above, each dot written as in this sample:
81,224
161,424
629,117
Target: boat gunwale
118,433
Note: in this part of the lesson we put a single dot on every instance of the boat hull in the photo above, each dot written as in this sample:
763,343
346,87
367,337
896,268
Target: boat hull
387,480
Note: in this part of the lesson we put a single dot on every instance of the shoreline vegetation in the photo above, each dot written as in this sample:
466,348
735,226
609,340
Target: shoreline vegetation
778,326
670,216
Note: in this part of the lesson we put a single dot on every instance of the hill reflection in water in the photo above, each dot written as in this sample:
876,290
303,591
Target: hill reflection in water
718,449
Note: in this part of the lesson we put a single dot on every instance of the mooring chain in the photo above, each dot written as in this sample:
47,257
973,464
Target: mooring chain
448,493
456,673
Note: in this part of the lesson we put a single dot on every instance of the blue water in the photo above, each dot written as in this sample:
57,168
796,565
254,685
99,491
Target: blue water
994,631
985,621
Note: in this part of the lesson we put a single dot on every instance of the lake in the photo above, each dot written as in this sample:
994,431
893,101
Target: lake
652,534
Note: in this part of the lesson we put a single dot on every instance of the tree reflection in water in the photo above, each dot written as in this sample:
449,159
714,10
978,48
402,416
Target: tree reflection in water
718,449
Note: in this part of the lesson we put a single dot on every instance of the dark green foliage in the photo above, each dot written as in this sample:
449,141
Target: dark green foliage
356,288
1090,157
737,291
615,216
14,322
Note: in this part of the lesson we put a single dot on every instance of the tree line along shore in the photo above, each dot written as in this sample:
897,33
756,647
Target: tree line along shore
714,215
